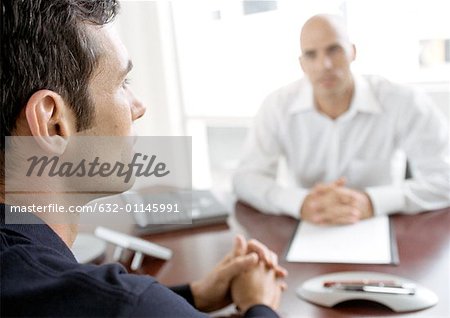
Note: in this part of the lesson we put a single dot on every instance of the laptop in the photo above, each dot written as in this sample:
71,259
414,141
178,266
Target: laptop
175,210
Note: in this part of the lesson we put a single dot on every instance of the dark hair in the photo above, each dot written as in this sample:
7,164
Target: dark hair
45,45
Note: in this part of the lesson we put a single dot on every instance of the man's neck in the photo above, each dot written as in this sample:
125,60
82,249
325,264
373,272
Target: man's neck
334,105
65,225
67,232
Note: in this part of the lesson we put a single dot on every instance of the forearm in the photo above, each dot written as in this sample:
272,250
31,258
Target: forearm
423,134
411,197
263,193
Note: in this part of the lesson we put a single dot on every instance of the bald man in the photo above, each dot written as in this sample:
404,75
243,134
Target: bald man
340,134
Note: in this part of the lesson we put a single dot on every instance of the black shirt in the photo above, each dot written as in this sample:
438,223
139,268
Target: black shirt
39,276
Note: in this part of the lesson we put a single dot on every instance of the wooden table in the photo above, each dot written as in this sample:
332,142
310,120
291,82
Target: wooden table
423,244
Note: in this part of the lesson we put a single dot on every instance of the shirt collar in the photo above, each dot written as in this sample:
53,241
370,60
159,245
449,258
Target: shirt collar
304,100
363,100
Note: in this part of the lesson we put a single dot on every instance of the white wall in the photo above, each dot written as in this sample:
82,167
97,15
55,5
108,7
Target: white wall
146,30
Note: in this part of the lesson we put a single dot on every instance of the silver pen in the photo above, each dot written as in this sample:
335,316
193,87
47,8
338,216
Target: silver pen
372,286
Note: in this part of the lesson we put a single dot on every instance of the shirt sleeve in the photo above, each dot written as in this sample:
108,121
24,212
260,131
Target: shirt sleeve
255,179
260,311
160,301
185,292
386,199
423,134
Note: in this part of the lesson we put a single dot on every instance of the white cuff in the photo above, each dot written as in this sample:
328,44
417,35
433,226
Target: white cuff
386,199
287,200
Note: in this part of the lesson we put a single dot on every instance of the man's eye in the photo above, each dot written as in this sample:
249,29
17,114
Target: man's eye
335,49
309,55
126,82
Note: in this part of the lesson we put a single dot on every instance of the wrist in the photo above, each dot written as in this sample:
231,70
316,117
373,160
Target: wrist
369,207
260,310
197,291
249,306
243,308
244,305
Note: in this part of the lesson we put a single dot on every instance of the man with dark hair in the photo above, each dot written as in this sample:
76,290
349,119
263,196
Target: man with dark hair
63,74
67,60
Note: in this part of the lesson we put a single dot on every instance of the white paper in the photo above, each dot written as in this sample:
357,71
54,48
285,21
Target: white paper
366,242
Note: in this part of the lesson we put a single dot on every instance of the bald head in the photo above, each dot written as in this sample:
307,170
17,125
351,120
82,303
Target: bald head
326,55
322,27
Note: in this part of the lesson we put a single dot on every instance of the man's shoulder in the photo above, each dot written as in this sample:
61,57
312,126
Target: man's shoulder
282,99
384,87
290,90
40,272
394,96
50,264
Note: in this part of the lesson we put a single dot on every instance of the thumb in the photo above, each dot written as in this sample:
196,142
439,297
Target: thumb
340,182
319,188
240,246
238,265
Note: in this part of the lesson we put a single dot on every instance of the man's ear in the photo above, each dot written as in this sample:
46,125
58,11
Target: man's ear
300,61
50,120
353,52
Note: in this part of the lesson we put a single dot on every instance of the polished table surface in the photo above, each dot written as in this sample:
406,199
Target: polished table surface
423,245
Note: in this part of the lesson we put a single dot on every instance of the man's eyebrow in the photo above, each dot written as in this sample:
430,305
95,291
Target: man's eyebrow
334,46
308,51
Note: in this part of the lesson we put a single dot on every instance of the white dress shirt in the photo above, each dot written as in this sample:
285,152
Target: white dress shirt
360,145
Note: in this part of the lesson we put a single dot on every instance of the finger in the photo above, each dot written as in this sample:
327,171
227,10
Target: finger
274,258
240,245
346,195
345,220
319,188
309,208
327,200
239,248
281,272
273,264
314,205
238,265
319,215
340,182
317,218
270,271
263,251
330,215
342,214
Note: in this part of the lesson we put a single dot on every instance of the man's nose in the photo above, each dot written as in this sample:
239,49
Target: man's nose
325,62
138,109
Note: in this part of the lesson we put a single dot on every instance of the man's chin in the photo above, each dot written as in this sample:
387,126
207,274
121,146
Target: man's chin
327,91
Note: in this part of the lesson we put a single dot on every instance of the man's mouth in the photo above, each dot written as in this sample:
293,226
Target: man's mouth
327,80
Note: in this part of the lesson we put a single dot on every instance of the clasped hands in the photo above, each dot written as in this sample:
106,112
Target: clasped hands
334,203
248,275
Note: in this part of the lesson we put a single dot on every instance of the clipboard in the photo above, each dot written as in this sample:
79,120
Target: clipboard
296,240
